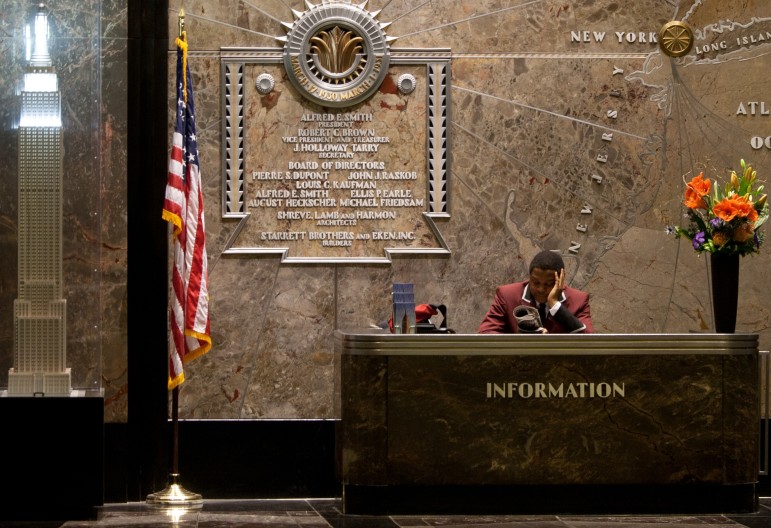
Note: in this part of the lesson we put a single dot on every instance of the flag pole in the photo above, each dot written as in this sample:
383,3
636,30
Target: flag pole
174,496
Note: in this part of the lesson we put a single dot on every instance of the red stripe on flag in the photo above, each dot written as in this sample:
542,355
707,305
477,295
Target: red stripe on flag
189,324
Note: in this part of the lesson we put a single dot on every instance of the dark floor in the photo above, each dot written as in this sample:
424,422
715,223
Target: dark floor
326,513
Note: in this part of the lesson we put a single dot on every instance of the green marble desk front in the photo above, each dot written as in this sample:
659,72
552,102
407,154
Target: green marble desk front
442,411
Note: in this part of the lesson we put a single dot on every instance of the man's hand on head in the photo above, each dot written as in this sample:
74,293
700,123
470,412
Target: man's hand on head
556,291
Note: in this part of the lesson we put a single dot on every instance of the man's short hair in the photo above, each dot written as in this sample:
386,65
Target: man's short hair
547,260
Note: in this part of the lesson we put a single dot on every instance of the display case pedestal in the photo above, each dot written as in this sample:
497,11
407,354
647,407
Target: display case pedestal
53,451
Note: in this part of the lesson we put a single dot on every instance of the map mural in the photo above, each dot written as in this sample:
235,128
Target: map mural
569,129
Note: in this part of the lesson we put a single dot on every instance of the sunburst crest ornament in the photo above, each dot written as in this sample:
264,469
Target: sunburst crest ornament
336,53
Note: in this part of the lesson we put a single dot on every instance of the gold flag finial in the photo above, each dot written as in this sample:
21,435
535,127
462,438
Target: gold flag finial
181,21
181,42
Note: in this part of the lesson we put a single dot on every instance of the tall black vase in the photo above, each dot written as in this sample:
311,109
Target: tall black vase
724,281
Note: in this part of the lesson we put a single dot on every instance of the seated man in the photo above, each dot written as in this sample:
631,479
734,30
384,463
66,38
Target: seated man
562,309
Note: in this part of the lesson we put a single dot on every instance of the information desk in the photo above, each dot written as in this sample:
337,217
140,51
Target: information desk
612,423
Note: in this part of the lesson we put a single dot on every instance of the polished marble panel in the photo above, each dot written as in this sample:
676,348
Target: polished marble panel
526,130
529,108
416,420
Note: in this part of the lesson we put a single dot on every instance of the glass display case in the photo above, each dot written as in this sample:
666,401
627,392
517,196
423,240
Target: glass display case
50,182
51,254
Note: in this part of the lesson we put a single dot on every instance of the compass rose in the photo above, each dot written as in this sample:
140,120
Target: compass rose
676,38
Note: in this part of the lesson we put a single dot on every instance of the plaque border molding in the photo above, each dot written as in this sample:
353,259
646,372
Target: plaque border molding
233,61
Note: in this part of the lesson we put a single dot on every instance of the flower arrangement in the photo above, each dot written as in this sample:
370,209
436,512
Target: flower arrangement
724,219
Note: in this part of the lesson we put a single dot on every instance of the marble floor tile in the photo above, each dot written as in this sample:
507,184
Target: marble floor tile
327,513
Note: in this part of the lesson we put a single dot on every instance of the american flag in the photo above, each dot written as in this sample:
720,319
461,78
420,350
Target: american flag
183,207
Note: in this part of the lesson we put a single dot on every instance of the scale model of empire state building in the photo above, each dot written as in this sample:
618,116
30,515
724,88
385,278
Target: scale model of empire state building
40,312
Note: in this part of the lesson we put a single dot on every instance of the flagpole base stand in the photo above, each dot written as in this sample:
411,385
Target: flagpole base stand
175,496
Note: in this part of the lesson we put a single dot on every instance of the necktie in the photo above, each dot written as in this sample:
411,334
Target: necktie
542,312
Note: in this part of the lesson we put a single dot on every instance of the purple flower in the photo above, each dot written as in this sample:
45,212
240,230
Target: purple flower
699,239
716,223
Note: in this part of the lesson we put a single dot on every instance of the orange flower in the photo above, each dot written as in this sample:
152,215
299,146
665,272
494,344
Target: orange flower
744,232
720,239
735,206
746,209
725,209
695,191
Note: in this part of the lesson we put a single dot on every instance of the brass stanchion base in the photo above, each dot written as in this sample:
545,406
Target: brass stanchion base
175,496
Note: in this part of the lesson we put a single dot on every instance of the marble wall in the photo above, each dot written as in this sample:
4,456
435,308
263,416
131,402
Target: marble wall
533,88
529,107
